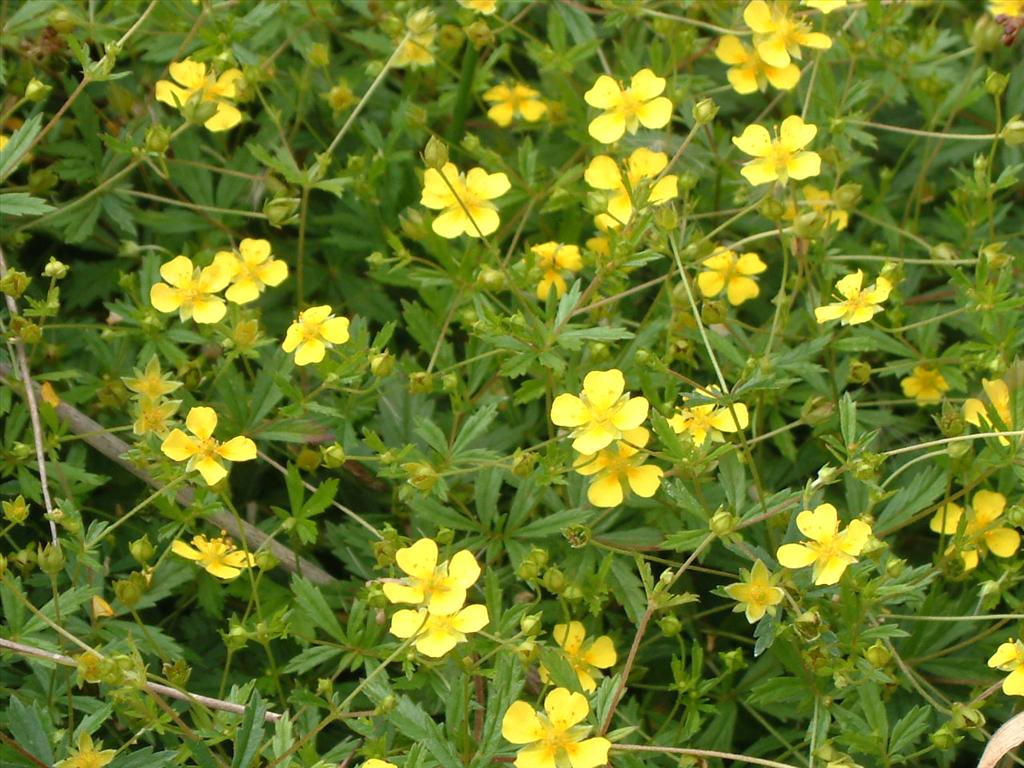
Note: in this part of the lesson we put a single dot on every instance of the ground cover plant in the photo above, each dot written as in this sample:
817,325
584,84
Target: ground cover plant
559,383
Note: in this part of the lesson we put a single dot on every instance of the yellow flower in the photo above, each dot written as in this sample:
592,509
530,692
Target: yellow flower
486,7
642,168
204,452
700,421
192,78
340,97
150,383
819,201
756,594
725,271
829,550
464,200
4,138
315,329
553,735
778,35
782,158
190,290
436,634
978,414
512,100
747,73
87,755
617,466
628,108
1006,7
373,762
1009,657
417,50
217,556
586,657
254,269
925,384
827,6
153,415
982,532
602,413
441,589
855,306
554,259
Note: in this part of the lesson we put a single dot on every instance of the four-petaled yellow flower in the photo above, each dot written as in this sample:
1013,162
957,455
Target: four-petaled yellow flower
724,270
617,466
628,108
87,755
926,385
819,201
855,305
191,291
553,735
586,657
441,589
982,532
638,186
418,49
602,413
829,550
217,556
826,6
315,329
778,35
978,414
709,419
254,269
151,382
756,594
782,158
555,259
514,100
436,634
748,73
203,452
464,199
1009,657
192,78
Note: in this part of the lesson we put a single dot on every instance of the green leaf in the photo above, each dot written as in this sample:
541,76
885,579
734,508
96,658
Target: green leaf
18,145
504,688
27,727
250,734
475,426
23,204
415,724
312,603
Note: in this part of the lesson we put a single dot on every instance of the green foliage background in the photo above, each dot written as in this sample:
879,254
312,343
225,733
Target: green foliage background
433,419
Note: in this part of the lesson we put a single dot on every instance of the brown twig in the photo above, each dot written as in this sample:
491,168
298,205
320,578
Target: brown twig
157,688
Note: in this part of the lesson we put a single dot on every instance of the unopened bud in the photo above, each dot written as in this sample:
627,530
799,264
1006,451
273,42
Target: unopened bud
860,372
987,34
158,139
530,624
847,196
281,210
554,581
54,269
15,510
1013,131
523,462
333,456
421,383
877,655
319,55
142,550
772,209
37,90
491,279
435,154
480,34
421,476
382,364
51,559
995,83
670,625
704,111
14,283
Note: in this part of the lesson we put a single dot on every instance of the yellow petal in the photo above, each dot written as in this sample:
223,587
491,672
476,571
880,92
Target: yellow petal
463,569
222,570
655,113
988,505
601,653
1002,542
757,15
631,414
605,492
208,309
731,50
402,593
803,165
565,708
829,312
293,336
1005,654
795,556
750,264
472,618
273,272
855,537
418,560
225,118
773,51
795,134
211,470
445,602
947,518
850,285
710,283
645,85
453,223
243,292
436,193
178,446
760,172
172,95
227,83
436,642
644,480
645,164
820,524
178,271
603,173
335,330
607,128
532,110
605,94
238,449
482,221
743,79
254,251
540,756
201,421
829,572
406,623
814,40
570,636
603,388
191,74
590,753
502,113
520,724
742,289
487,186
311,351
164,298
592,439
783,78
1013,685
569,411
664,190
182,549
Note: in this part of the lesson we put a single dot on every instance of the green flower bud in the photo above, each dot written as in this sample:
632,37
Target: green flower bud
382,364
177,673
1013,131
37,90
450,37
945,738
142,550
62,21
528,570
688,180
491,279
878,655
42,181
54,269
995,83
704,111
421,476
713,312
281,210
531,624
860,372
308,460
450,383
129,591
578,535
772,209
539,556
523,462
444,536
435,154
421,383
847,196
987,34
387,704
722,523
554,581
3,566
665,218
265,560
995,254
14,283
808,625
573,592
158,139
480,35
809,225
16,510
670,625
51,559
333,456
319,55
